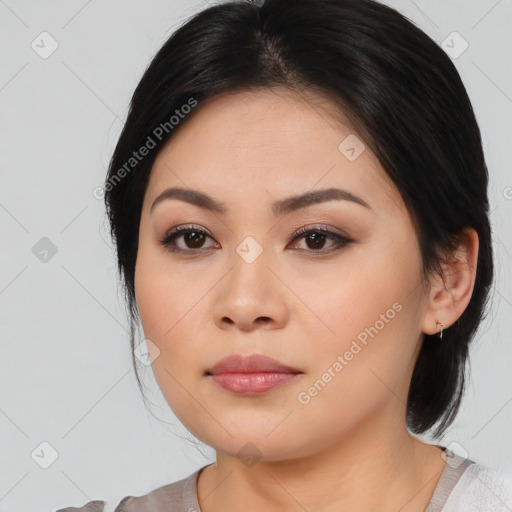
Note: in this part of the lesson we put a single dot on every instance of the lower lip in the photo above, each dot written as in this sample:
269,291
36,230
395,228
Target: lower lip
252,383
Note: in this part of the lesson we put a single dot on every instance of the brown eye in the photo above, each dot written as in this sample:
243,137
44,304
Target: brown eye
315,239
193,239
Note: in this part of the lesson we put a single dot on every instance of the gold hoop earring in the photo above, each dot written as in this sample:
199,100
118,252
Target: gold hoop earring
441,333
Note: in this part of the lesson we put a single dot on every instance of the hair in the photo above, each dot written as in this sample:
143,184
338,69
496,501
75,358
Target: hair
398,89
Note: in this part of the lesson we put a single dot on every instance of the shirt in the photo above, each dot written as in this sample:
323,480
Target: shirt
464,486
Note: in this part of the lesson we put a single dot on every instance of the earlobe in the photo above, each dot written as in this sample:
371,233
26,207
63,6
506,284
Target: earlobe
450,293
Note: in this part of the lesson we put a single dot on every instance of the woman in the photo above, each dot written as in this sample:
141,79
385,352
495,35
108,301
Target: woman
299,204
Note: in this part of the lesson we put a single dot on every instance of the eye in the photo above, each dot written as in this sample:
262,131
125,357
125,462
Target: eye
315,239
194,238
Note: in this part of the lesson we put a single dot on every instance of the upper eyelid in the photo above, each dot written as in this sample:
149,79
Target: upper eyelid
300,231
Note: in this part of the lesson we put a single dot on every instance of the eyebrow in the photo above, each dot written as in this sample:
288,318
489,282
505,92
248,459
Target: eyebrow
279,208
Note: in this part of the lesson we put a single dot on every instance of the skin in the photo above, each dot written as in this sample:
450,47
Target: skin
347,448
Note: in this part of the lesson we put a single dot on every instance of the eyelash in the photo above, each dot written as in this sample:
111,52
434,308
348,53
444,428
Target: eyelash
342,241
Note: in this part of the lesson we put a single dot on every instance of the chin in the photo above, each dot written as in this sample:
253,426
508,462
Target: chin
252,441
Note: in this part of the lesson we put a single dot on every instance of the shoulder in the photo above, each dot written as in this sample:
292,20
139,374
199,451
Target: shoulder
91,506
178,496
481,488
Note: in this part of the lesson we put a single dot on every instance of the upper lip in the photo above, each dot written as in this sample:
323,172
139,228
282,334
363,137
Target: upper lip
254,363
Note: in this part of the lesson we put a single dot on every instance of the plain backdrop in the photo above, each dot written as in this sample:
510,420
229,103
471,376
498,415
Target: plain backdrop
68,395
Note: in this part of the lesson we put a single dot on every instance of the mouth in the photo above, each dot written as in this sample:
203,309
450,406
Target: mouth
252,383
251,375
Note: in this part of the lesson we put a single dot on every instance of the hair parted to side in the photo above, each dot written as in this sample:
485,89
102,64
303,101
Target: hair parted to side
399,91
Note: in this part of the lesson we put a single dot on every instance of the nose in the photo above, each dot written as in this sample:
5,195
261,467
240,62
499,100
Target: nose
251,296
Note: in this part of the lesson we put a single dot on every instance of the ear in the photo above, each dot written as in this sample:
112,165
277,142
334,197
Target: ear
450,294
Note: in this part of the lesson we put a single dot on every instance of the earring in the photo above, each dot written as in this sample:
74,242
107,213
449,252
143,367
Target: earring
441,333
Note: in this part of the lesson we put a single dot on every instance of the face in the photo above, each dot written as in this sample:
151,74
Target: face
341,303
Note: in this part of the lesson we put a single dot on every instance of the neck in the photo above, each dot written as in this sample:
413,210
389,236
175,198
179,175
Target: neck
372,468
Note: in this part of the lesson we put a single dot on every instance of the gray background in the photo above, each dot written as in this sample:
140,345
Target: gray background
65,374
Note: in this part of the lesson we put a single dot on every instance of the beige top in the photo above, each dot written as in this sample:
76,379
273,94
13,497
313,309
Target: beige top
181,496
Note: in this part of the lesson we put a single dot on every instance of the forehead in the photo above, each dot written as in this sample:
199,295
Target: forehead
267,144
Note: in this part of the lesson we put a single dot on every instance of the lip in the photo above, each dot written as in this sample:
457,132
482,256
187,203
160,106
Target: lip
254,363
251,375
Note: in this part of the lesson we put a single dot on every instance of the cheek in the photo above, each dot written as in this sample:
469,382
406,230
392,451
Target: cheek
366,364
340,305
163,314
168,310
163,302
368,314
149,301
